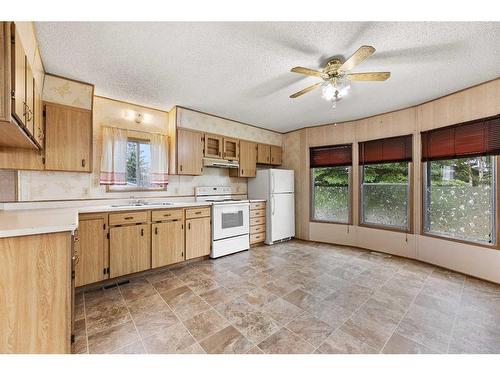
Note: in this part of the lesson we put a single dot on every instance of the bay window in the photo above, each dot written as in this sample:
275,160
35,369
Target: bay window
385,182
330,183
459,180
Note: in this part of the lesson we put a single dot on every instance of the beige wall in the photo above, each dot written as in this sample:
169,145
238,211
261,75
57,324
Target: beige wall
477,102
42,185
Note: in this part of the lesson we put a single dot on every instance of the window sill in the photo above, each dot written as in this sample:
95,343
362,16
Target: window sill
132,189
384,227
457,240
328,222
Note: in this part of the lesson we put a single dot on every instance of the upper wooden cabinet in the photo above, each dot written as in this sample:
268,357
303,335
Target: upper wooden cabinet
68,143
248,160
18,101
213,146
263,153
276,155
231,149
189,152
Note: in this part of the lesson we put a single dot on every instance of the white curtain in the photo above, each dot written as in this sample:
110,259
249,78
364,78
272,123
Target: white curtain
159,159
114,154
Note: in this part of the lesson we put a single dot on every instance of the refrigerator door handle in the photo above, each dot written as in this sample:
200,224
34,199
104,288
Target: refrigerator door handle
274,205
274,182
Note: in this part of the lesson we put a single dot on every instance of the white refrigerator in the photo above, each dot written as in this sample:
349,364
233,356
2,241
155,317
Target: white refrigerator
277,187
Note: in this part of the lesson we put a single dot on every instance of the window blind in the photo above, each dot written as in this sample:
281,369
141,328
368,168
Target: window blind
386,150
472,138
330,156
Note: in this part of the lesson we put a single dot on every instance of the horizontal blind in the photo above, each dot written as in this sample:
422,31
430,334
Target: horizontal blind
472,138
386,150
330,156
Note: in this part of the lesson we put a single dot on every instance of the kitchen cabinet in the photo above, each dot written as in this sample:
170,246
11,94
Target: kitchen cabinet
263,153
231,149
129,249
276,155
18,79
29,100
248,160
198,237
68,138
38,123
189,152
167,242
213,146
91,249
35,280
257,222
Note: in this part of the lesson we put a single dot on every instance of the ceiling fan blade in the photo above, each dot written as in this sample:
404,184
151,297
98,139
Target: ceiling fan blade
357,58
306,90
373,76
307,71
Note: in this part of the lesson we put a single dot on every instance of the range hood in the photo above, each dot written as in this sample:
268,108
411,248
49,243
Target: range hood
220,163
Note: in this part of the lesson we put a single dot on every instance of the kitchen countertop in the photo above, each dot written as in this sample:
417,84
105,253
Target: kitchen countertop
15,223
257,200
23,222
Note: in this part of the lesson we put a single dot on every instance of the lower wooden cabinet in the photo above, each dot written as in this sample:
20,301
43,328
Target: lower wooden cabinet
167,243
35,294
129,249
91,251
198,237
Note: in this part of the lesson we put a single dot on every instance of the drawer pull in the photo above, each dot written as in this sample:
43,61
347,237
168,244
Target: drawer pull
197,213
167,215
128,218
156,230
142,231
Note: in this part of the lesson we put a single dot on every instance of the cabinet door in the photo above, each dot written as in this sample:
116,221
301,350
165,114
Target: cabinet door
38,118
30,100
18,79
189,152
129,249
248,159
198,237
68,138
213,146
90,252
276,155
167,243
263,154
231,149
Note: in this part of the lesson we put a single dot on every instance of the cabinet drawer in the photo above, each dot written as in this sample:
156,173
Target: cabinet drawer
257,220
197,212
257,205
257,213
257,229
162,215
128,218
258,237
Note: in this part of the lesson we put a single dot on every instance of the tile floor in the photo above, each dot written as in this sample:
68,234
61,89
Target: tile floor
295,297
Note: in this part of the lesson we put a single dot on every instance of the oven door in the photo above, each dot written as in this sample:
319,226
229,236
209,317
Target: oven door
230,220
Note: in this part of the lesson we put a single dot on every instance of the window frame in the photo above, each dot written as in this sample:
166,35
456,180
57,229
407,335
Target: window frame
496,216
311,200
409,213
129,188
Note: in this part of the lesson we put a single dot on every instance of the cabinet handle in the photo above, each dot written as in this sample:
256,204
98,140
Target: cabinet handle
182,226
142,231
167,215
128,218
197,213
83,162
242,172
181,167
189,225
156,230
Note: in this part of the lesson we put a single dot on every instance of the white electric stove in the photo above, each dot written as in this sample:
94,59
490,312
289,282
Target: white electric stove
230,220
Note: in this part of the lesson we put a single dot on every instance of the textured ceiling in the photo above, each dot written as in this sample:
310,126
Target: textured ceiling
241,70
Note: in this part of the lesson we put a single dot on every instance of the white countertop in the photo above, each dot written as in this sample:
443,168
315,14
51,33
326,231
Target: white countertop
27,222
23,222
257,200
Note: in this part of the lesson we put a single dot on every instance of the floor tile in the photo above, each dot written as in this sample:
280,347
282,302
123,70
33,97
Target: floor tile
228,340
170,340
136,288
341,342
205,324
398,344
217,296
301,299
282,311
113,338
149,323
285,342
258,297
310,328
107,316
134,348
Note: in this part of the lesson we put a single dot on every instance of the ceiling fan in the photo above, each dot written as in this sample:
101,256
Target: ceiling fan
336,79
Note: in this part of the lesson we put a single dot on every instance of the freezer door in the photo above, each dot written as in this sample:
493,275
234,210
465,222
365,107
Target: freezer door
281,181
282,217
